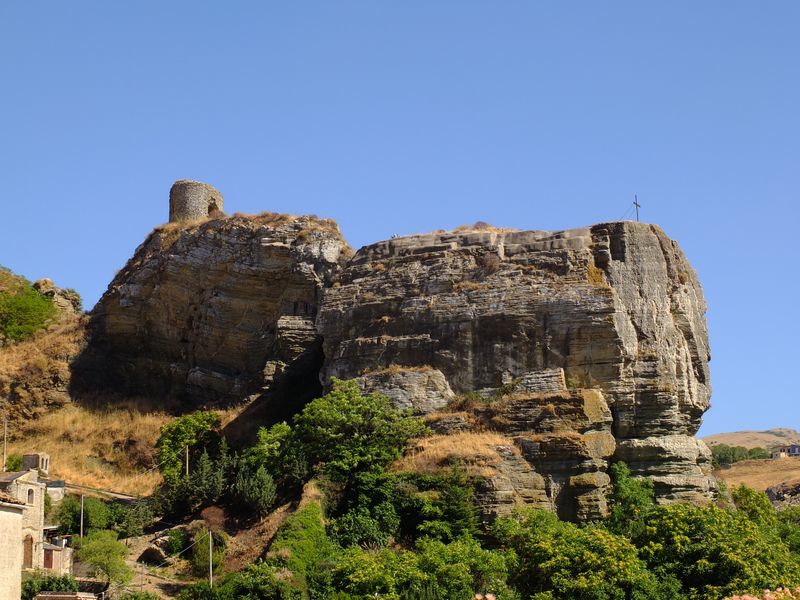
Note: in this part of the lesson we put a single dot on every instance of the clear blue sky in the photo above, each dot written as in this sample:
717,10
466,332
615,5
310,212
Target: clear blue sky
400,117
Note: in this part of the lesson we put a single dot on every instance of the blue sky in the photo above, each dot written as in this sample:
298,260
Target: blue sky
400,117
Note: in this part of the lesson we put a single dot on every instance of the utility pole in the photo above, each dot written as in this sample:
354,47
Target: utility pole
186,459
5,441
81,516
210,559
637,205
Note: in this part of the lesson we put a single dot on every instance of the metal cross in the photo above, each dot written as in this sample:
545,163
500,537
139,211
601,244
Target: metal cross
637,205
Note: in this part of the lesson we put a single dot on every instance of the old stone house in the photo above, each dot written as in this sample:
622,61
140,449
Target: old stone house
25,487
792,450
11,511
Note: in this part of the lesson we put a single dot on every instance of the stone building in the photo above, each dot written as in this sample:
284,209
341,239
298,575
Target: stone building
193,200
11,511
25,487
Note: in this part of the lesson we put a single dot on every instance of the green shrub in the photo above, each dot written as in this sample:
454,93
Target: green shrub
101,551
14,462
131,520
755,505
177,541
139,596
715,552
347,432
788,527
23,312
631,499
254,489
200,551
41,582
302,545
96,514
559,560
255,582
195,429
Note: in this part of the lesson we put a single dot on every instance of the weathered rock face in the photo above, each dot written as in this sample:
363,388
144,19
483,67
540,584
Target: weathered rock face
217,311
616,306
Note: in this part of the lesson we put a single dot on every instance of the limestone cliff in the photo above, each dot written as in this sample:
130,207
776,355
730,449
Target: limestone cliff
560,352
216,310
616,306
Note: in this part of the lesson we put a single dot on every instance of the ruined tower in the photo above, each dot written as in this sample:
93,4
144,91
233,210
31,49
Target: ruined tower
193,200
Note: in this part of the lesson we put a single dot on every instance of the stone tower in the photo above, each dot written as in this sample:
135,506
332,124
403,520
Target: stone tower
193,200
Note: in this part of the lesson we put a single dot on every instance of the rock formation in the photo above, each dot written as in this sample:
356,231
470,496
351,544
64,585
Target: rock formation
216,311
616,306
573,349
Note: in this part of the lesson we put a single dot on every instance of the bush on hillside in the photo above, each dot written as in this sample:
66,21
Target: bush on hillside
715,552
106,556
188,431
96,514
23,312
559,560
347,432
42,582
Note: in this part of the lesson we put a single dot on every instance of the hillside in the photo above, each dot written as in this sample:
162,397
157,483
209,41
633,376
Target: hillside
769,438
761,474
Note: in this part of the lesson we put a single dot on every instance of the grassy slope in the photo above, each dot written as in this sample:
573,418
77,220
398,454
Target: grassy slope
752,439
761,474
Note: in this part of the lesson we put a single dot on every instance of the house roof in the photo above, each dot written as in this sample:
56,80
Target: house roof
10,476
8,499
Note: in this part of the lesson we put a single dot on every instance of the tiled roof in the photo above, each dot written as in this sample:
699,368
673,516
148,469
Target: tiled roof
8,499
11,476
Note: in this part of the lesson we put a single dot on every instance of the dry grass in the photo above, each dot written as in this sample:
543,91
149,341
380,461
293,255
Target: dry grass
483,226
476,452
756,439
596,276
34,374
110,448
761,474
394,369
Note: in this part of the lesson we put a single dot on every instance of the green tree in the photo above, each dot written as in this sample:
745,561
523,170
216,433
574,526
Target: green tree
96,514
348,432
41,582
631,500
255,489
139,596
200,551
101,551
755,505
558,560
188,431
714,552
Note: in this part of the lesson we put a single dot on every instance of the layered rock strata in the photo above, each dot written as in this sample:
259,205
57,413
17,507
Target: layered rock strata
616,306
217,311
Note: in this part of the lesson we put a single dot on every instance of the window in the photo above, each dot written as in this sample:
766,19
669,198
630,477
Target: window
30,496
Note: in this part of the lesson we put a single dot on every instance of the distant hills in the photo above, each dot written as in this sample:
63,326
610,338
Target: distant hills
752,439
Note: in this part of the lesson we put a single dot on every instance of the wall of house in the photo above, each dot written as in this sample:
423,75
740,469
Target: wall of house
33,513
10,552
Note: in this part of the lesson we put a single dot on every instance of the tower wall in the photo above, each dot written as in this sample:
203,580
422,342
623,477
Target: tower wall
193,200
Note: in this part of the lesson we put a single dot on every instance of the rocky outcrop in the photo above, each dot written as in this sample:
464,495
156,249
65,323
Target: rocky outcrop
616,306
550,354
216,311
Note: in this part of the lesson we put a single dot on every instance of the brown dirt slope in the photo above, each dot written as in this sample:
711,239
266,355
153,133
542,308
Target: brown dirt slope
761,474
769,438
